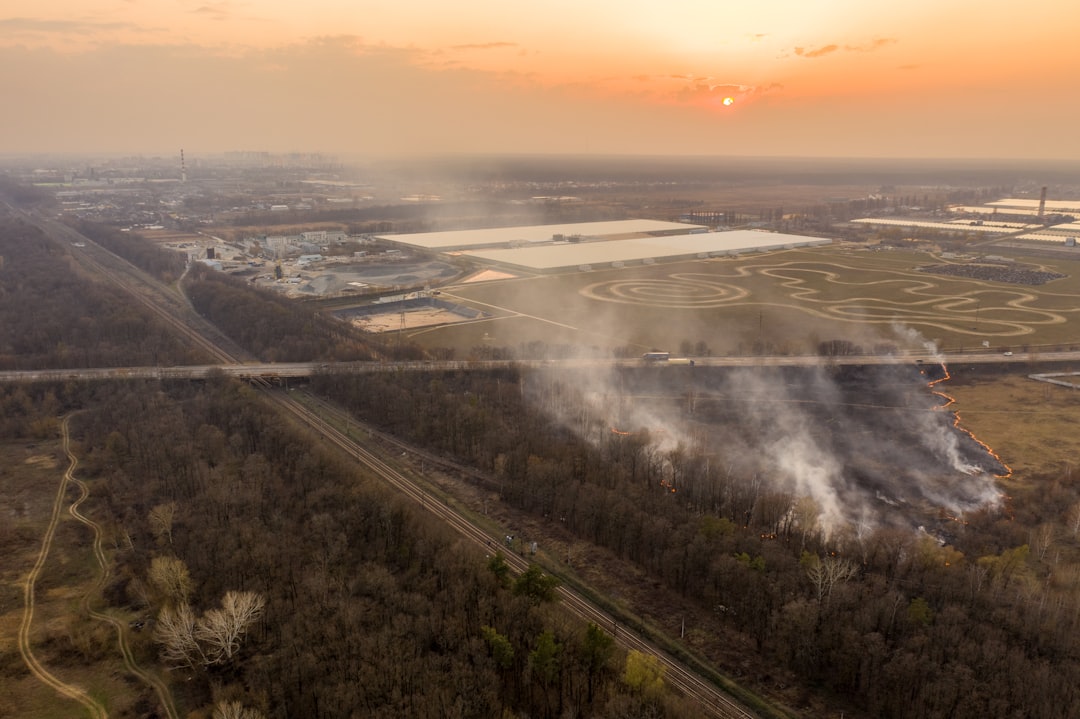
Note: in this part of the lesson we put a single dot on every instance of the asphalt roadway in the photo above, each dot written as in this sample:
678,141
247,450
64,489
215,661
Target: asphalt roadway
284,370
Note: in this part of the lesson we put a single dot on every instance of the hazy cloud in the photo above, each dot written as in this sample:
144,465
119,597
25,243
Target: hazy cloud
816,52
485,46
25,24
215,12
335,93
872,45
823,50
701,88
695,89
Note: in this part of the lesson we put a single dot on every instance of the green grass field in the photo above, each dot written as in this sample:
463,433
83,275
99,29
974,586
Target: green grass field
784,302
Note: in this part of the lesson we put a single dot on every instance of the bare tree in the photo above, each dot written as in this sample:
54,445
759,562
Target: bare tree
978,572
1042,538
170,577
1072,518
213,638
221,630
175,632
805,514
826,573
234,710
161,521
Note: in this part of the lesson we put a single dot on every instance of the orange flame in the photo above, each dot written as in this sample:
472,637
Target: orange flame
650,432
949,400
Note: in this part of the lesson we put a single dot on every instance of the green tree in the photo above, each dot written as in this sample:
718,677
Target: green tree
544,660
497,565
1009,565
919,612
596,649
535,585
644,673
501,649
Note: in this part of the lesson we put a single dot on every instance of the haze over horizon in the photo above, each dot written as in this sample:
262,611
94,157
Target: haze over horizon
780,78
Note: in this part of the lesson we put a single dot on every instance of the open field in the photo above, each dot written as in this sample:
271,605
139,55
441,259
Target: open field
785,301
1028,423
173,237
412,319
74,654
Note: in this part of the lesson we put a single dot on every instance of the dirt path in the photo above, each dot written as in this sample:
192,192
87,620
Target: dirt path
151,680
71,691
93,707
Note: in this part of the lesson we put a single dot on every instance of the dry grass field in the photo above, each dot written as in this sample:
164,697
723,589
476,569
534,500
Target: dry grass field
72,647
1028,423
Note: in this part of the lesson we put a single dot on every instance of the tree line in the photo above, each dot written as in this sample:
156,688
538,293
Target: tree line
165,265
52,315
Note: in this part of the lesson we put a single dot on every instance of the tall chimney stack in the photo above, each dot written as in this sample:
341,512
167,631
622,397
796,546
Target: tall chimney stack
1042,203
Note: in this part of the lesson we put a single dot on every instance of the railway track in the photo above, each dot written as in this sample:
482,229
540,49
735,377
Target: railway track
712,700
167,304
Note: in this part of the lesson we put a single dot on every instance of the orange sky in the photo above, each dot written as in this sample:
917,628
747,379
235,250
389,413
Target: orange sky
952,78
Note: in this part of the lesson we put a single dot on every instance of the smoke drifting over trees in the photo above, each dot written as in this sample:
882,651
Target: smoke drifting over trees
869,446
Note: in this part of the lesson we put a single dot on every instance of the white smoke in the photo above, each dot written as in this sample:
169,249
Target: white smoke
869,450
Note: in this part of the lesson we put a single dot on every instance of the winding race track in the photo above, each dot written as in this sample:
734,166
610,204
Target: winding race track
849,293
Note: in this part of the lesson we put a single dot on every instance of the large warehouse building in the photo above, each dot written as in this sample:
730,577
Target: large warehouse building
617,253
531,234
592,245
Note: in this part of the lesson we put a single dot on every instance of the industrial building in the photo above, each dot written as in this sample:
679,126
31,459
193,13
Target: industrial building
593,245
958,226
532,234
563,257
1036,207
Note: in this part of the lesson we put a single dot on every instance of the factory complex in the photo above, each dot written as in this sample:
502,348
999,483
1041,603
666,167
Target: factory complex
1042,220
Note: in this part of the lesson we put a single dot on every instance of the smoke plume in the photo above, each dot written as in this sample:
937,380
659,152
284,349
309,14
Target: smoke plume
871,446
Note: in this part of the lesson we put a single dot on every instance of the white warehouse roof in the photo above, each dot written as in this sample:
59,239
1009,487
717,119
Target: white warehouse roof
467,239
1067,207
598,255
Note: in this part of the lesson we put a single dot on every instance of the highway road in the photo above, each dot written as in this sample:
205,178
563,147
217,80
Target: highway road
283,370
